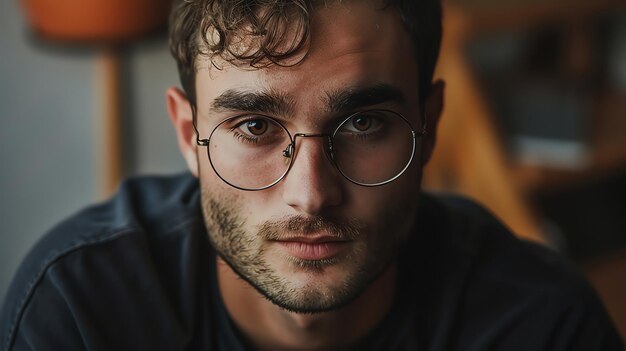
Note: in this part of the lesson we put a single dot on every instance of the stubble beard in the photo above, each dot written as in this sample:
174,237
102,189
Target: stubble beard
371,253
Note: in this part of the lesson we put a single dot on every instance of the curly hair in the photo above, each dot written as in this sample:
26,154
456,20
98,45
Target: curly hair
273,31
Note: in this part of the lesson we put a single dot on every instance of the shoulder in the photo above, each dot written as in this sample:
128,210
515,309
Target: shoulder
509,293
496,255
105,253
492,251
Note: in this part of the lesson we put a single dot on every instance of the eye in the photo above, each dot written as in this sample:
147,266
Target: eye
256,126
256,129
362,123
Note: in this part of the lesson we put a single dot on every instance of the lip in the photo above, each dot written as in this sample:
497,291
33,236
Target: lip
313,239
313,248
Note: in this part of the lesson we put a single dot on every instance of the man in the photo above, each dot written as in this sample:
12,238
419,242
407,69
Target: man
305,125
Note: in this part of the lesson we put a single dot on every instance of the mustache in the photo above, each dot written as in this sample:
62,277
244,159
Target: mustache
344,229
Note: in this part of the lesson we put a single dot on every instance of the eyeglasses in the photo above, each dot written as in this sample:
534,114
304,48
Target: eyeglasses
254,152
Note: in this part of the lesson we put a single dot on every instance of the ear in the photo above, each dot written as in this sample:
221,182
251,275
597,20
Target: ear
181,115
432,111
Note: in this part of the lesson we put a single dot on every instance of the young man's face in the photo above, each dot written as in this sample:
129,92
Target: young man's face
314,241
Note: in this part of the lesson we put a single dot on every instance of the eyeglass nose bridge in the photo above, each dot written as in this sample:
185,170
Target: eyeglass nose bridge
328,149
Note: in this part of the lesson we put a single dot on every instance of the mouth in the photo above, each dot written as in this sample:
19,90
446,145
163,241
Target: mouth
313,248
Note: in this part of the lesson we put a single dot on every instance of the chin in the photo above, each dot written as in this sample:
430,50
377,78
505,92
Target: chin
316,287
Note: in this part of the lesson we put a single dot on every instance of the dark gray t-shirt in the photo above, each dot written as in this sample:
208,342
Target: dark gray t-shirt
138,273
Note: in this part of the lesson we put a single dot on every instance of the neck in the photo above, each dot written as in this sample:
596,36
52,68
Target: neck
269,327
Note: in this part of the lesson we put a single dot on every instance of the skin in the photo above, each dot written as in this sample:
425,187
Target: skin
350,48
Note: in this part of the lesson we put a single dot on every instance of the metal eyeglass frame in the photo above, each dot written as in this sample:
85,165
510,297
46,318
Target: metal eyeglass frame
289,151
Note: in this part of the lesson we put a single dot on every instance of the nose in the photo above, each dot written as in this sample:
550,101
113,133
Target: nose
312,184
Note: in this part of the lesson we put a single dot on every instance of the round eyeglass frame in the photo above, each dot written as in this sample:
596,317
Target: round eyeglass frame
289,151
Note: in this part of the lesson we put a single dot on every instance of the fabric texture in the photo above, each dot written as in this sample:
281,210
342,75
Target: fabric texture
138,273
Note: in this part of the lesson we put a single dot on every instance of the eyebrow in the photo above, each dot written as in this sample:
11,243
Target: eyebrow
272,102
354,98
267,102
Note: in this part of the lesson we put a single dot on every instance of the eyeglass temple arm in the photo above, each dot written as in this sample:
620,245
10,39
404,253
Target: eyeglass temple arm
200,142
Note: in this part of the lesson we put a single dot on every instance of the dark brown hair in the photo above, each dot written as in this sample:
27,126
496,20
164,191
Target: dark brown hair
275,30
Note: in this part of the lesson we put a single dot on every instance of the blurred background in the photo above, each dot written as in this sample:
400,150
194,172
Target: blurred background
57,98
534,125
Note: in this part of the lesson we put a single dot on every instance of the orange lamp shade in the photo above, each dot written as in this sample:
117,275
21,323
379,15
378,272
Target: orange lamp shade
96,20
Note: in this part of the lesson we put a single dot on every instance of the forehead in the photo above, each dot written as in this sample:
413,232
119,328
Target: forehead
352,44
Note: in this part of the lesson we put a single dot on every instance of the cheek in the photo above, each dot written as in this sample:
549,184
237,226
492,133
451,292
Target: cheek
250,206
402,190
217,190
375,205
